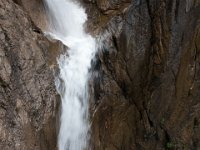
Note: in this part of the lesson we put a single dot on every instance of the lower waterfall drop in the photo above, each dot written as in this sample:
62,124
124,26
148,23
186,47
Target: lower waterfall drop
66,24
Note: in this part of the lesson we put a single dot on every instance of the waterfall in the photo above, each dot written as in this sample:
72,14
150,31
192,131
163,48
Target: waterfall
66,24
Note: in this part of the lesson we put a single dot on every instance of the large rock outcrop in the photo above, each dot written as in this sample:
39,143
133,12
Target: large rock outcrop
36,10
146,95
27,94
146,77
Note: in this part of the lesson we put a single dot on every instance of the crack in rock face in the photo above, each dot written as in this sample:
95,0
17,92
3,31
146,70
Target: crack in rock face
27,93
144,85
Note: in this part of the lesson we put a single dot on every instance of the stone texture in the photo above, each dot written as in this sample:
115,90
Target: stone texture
146,75
145,79
27,95
36,11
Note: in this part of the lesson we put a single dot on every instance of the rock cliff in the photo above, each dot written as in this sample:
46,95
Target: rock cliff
27,94
145,86
146,95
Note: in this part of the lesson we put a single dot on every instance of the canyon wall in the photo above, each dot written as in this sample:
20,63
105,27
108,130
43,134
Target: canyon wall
27,94
145,86
146,95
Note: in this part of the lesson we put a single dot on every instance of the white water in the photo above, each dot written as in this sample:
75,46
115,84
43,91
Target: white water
67,20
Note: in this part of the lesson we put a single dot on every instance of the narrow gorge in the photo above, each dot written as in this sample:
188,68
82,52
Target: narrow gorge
99,74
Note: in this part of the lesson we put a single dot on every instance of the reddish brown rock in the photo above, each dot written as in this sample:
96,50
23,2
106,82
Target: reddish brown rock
35,9
145,84
146,95
27,94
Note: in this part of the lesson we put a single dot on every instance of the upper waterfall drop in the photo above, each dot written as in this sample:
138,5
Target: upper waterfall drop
66,23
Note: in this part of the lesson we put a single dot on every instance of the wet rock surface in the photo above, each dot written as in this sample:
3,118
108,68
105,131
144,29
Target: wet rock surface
145,80
146,75
27,94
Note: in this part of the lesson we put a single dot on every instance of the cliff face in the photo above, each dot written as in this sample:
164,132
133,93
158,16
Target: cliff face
27,94
145,84
147,91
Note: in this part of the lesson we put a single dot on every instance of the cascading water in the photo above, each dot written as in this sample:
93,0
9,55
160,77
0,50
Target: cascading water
67,20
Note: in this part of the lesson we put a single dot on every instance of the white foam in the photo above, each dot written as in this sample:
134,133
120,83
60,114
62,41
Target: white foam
66,24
